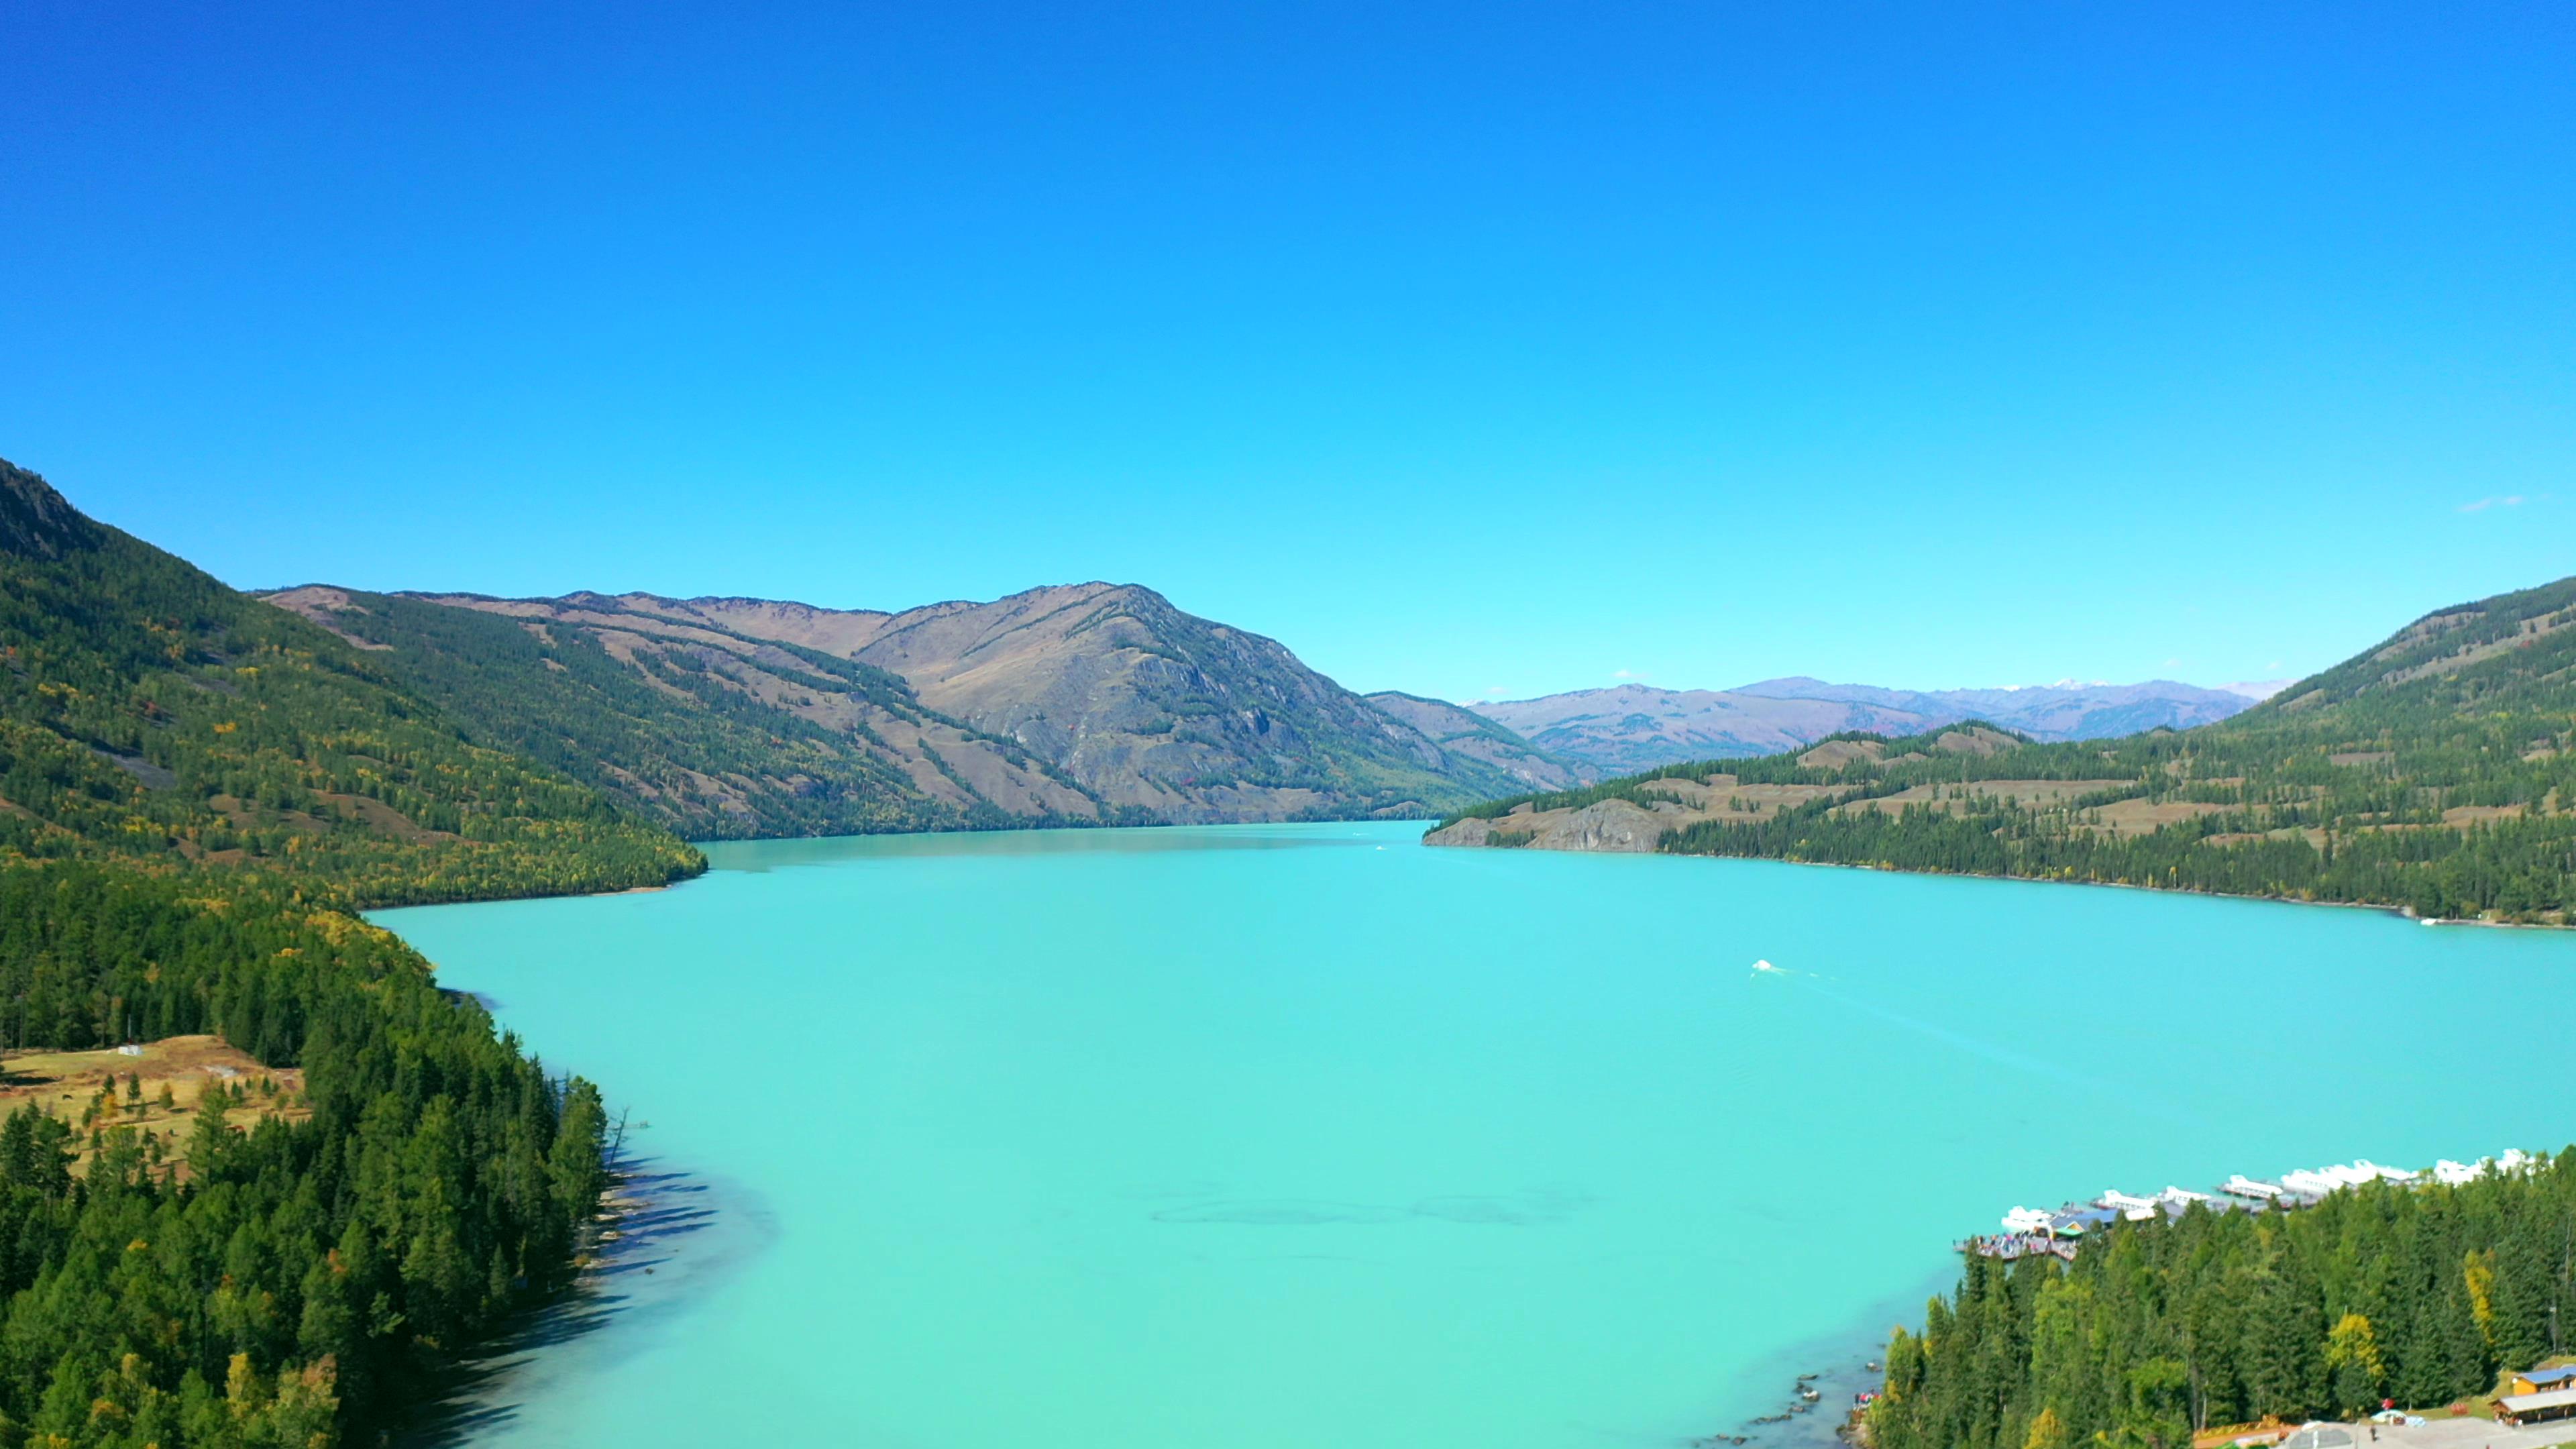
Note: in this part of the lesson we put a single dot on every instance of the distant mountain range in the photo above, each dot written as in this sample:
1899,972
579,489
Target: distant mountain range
2436,771
1090,703
1094,703
1636,726
1074,704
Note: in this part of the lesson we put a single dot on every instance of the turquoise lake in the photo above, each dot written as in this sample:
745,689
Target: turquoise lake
1286,1137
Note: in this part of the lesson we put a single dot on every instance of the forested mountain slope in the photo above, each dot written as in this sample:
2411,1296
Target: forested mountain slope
150,714
2435,772
1463,733
714,733
197,791
1084,702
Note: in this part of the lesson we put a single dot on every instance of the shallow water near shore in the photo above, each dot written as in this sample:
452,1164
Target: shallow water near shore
1288,1136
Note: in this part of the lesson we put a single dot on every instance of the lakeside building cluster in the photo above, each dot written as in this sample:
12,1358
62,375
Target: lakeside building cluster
2533,1396
2059,1232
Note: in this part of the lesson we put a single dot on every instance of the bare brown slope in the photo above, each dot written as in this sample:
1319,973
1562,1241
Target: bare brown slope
714,733
1140,702
1081,701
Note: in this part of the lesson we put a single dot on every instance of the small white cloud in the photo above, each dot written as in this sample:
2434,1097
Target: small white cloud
2171,663
2274,666
2509,500
1627,674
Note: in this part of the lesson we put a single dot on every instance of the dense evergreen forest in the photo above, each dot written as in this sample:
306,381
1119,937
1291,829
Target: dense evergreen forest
2160,1328
2436,772
197,793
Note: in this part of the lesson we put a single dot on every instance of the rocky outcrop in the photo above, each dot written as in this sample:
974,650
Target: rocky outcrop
1465,832
1616,826
37,521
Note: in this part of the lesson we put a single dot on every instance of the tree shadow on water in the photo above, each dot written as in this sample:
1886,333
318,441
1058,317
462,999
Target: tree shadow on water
1837,1368
653,1261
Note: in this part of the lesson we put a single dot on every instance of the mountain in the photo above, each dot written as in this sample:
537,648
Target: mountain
197,793
1464,733
712,733
2436,772
2066,710
1645,812
1086,703
1637,726
149,714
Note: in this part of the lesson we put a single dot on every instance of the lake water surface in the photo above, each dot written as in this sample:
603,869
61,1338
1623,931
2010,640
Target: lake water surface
1288,1137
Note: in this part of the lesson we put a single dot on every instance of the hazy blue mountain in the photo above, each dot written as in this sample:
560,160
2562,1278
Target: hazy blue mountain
2066,710
1638,726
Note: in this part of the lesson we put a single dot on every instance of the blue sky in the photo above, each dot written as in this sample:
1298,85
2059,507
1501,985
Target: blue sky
1465,349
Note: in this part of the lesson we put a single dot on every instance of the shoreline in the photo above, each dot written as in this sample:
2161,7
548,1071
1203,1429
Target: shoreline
2402,912
641,1259
1838,1366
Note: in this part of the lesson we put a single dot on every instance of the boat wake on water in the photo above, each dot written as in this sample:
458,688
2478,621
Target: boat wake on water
1815,981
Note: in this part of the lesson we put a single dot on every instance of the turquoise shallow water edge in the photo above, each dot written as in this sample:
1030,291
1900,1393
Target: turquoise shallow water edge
1275,1136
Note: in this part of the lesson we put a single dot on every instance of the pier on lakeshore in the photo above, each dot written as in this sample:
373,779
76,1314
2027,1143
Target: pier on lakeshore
2036,1232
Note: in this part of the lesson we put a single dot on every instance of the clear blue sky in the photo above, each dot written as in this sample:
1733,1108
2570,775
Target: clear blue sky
1473,348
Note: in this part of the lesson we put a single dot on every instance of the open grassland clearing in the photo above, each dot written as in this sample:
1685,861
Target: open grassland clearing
153,1089
1637,818
1725,797
2142,816
1980,795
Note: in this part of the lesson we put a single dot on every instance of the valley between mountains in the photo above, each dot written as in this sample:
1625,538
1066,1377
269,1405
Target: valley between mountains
1080,704
2435,772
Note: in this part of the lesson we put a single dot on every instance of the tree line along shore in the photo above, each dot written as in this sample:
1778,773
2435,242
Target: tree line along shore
198,795
2428,1295
2435,774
